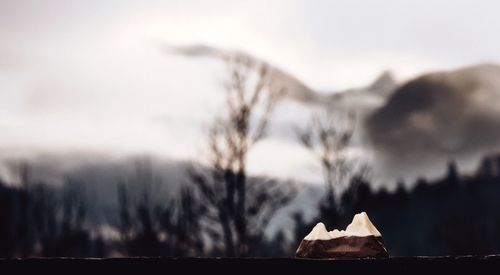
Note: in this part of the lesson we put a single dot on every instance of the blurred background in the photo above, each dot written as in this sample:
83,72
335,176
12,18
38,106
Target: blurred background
230,128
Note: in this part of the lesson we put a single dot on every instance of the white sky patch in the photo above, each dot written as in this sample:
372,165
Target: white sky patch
285,160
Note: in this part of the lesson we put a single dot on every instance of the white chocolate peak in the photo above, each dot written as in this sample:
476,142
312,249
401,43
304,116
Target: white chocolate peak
318,233
360,226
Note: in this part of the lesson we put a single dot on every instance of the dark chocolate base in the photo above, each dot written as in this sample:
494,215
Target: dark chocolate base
349,247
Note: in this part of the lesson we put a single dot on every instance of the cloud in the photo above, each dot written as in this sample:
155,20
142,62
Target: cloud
278,79
85,79
435,118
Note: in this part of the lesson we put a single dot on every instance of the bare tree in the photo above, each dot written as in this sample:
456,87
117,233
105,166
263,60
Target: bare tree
327,136
241,209
151,226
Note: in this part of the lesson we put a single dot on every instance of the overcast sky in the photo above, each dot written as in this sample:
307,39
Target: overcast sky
89,75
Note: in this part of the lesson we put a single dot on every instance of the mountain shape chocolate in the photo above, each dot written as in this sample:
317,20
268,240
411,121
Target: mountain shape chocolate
360,240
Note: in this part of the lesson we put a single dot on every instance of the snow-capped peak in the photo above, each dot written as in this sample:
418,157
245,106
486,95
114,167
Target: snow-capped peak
318,233
360,226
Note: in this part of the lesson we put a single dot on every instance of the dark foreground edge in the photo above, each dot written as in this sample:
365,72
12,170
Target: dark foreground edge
236,266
